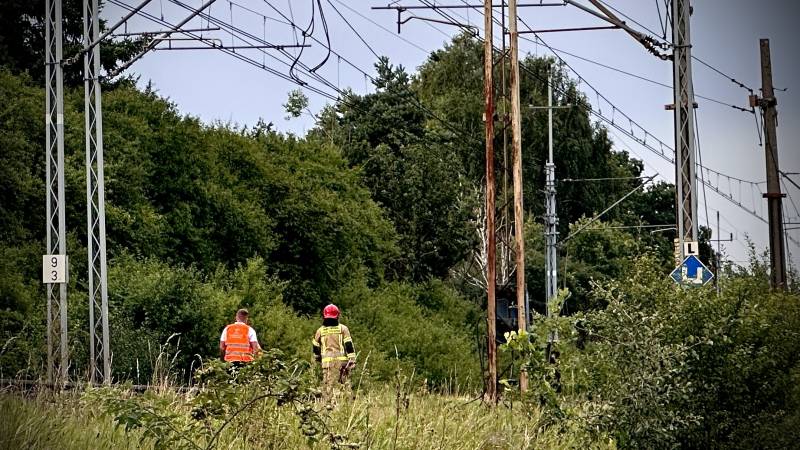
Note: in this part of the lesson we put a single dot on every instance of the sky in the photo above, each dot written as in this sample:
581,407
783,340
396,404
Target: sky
725,34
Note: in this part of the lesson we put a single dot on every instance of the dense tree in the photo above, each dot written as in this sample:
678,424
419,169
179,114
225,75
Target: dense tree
450,83
207,195
186,195
412,172
22,40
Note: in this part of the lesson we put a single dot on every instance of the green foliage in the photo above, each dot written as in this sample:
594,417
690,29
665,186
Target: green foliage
21,131
412,172
295,104
450,84
42,423
165,319
162,314
424,328
21,345
372,210
661,366
372,420
22,40
226,397
597,254
198,196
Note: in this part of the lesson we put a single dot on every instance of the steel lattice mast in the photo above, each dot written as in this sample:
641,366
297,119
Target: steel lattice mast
685,183
551,218
99,351
57,356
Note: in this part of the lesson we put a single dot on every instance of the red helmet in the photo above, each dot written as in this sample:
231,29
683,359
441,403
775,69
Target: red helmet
330,312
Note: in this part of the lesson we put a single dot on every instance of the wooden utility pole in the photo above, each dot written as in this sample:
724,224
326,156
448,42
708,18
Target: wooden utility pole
491,276
767,103
516,143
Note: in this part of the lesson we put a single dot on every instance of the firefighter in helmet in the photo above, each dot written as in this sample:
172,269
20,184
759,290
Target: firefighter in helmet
333,348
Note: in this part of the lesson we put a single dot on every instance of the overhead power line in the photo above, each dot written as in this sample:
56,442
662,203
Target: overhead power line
663,38
448,125
628,131
728,77
640,77
232,53
418,47
643,141
352,28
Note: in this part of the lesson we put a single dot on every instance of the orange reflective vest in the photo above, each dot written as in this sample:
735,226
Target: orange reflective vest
237,343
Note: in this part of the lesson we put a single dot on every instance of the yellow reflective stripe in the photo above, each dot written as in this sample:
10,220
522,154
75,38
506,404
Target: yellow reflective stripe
314,343
348,339
329,331
334,358
351,356
326,331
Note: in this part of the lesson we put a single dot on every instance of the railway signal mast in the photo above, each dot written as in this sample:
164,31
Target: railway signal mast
685,182
57,355
99,350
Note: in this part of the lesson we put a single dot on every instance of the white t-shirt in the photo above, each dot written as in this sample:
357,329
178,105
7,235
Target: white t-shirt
251,334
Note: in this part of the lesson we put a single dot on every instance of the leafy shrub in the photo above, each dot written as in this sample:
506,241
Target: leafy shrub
664,367
391,323
226,397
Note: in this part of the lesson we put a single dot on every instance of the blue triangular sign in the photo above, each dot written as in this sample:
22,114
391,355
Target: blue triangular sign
691,272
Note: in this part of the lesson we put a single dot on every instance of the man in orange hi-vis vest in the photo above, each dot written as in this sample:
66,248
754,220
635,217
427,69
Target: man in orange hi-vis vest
239,343
333,348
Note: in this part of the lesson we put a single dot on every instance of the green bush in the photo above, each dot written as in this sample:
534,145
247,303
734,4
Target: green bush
420,327
663,367
162,317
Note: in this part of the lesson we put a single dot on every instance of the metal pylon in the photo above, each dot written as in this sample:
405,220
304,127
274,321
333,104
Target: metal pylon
99,351
57,364
684,125
551,217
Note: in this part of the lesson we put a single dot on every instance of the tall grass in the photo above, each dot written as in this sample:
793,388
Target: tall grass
381,419
59,422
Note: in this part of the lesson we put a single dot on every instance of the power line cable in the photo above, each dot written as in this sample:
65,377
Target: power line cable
232,53
786,177
664,39
613,124
291,14
295,27
361,38
791,200
448,125
631,134
239,33
661,22
575,180
624,72
327,36
382,27
728,77
700,157
308,31
596,217
694,57
245,8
